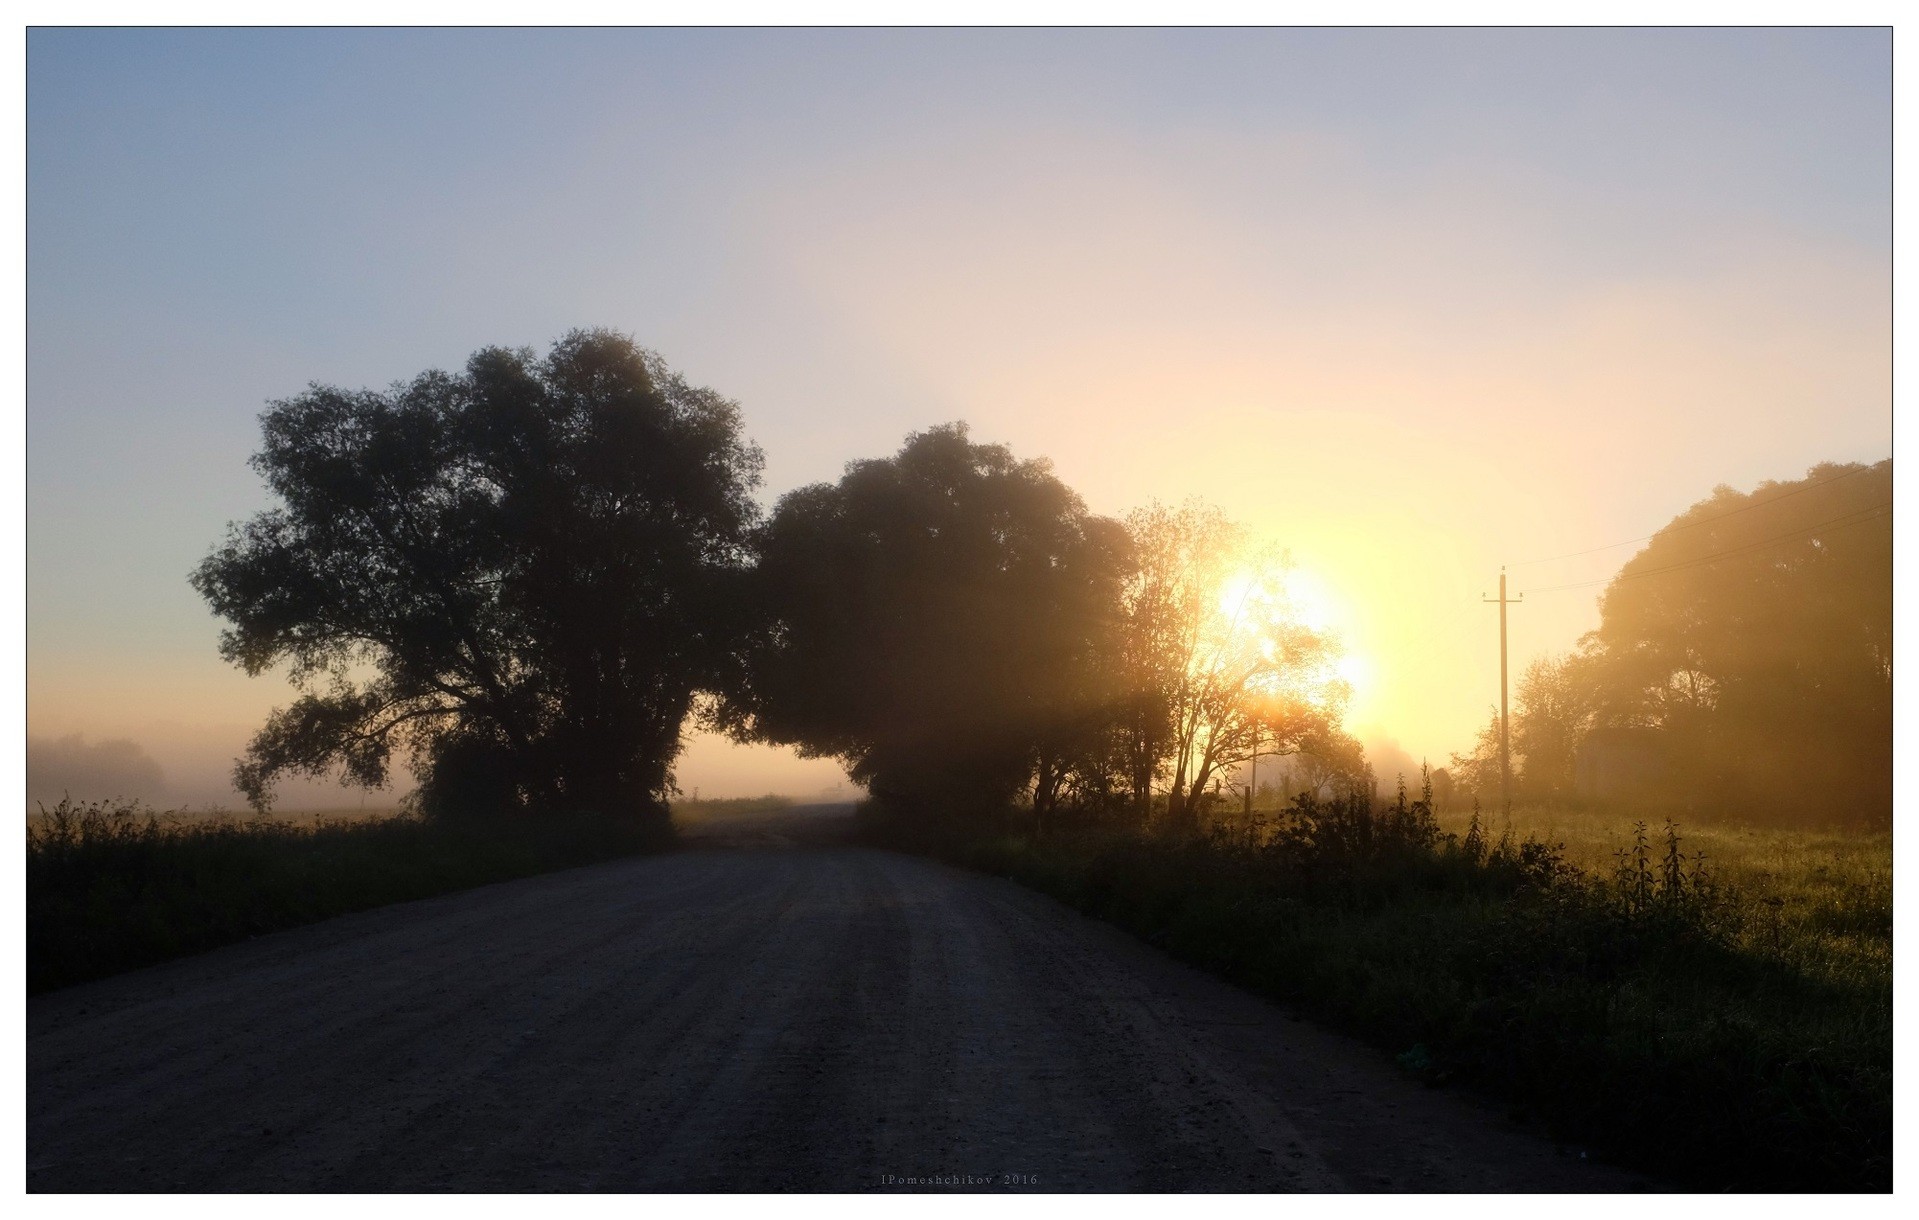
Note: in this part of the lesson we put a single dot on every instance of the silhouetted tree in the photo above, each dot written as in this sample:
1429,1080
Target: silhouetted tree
1756,632
520,575
934,620
1334,769
1219,656
1476,773
1183,558
1553,706
1079,760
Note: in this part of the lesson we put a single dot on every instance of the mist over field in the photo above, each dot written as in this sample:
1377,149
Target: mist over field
91,771
193,767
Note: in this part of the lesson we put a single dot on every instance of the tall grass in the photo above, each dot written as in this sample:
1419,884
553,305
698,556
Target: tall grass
1640,1002
115,886
1819,896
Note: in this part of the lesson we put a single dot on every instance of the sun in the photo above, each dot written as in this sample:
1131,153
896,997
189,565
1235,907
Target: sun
1313,601
1289,594
1260,603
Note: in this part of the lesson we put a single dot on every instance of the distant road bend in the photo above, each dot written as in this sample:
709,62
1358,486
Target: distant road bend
760,1014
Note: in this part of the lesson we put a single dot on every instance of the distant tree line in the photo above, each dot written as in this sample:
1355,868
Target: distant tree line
1743,662
528,578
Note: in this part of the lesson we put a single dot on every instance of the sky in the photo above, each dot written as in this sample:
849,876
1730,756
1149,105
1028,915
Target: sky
1412,303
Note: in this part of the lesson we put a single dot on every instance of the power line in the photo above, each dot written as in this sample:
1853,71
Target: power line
1702,521
1856,517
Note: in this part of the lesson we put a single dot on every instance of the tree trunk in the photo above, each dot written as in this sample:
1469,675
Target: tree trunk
1045,794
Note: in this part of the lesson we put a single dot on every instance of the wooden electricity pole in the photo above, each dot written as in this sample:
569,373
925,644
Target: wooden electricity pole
1252,783
1505,747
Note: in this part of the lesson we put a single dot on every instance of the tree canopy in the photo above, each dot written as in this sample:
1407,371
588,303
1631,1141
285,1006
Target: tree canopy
932,620
1755,630
518,576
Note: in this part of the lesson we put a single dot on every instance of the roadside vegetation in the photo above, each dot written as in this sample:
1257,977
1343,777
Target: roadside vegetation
1821,896
113,887
1722,1033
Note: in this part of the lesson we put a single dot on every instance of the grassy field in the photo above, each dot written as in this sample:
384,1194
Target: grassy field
690,812
1726,1026
116,887
1820,898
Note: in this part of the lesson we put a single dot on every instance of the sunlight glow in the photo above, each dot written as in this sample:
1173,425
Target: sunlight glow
1264,602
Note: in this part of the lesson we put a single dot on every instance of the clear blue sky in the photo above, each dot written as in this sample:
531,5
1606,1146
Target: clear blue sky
1415,302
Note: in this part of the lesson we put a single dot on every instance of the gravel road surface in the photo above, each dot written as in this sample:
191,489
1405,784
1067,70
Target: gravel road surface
752,1015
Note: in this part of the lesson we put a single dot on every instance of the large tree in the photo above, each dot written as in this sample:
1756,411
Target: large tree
1220,660
1552,710
518,576
1755,631
934,620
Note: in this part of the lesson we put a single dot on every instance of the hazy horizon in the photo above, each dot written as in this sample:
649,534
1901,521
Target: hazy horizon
1412,303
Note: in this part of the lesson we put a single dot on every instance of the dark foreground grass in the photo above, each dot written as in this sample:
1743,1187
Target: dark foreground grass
1645,1012
116,887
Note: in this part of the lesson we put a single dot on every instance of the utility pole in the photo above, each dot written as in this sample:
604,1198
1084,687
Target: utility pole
1505,747
1252,783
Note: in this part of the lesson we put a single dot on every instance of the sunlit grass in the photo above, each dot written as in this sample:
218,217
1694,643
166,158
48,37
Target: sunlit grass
1821,898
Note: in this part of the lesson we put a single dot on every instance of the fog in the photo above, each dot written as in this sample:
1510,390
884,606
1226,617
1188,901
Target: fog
92,771
195,773
187,766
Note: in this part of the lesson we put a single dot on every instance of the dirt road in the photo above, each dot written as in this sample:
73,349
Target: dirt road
741,1018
